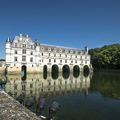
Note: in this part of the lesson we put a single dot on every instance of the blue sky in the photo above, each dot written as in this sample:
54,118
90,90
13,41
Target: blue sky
71,23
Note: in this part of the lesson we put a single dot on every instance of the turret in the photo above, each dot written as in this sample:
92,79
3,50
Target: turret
7,50
8,42
86,49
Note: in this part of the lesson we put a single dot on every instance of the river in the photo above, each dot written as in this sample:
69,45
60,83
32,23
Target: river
81,97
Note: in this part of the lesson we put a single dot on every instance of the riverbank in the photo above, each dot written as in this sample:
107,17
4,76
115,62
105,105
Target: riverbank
10,109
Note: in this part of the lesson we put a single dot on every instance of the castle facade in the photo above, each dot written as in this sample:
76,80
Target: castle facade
22,53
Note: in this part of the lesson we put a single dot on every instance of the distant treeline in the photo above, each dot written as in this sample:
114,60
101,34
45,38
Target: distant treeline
106,57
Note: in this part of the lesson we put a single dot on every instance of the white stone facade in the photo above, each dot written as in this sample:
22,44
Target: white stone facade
23,51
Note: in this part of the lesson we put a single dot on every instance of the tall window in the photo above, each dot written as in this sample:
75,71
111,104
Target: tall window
15,59
23,58
49,60
54,60
42,54
65,61
15,51
23,51
16,45
31,46
31,59
60,55
60,61
31,53
49,54
24,45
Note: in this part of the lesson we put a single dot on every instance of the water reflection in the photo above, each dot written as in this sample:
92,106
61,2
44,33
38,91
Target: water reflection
35,84
84,93
29,92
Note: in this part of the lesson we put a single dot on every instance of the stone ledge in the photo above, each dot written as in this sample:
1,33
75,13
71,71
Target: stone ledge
10,109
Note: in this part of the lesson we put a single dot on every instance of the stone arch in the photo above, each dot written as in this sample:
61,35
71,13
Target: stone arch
24,72
76,71
45,71
66,71
55,71
86,70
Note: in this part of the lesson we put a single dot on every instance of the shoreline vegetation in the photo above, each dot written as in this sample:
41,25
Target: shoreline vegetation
106,57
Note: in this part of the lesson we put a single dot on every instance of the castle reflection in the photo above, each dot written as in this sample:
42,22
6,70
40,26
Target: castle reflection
36,85
30,91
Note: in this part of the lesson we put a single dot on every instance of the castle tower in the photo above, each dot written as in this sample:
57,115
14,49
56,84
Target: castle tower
8,51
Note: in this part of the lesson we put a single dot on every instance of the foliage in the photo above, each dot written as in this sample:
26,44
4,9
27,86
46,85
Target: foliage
107,56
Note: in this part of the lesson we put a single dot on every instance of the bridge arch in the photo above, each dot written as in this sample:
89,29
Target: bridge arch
66,71
45,71
24,72
76,71
55,71
86,70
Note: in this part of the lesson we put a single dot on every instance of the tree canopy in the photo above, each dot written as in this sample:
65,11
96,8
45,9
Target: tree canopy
107,56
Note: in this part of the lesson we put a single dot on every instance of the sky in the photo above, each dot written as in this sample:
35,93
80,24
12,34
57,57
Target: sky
70,23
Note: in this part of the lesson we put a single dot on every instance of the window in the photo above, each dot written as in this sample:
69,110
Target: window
54,60
65,61
31,59
54,55
31,53
75,61
66,56
42,54
49,49
81,57
49,60
24,45
31,46
49,54
31,85
71,61
60,55
60,61
15,59
15,51
16,45
23,58
23,51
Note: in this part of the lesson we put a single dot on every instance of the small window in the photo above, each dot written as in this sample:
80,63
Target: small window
31,53
31,46
42,48
49,49
60,55
49,60
65,61
23,51
75,61
71,61
15,51
42,54
15,59
23,58
24,45
31,59
54,60
54,55
49,54
60,61
16,45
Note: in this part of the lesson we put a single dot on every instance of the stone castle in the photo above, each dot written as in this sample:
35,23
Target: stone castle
24,54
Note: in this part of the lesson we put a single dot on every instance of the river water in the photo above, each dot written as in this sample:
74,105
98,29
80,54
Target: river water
82,97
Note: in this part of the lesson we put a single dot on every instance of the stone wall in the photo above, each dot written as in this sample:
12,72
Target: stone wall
10,109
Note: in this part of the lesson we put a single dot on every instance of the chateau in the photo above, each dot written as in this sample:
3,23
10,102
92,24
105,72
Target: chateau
22,53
